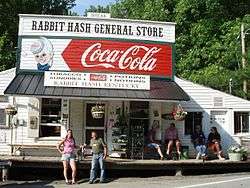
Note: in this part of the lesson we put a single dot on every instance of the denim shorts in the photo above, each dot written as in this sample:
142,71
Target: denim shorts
68,157
153,145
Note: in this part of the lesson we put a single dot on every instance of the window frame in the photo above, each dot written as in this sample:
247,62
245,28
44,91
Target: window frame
193,122
6,119
49,124
234,121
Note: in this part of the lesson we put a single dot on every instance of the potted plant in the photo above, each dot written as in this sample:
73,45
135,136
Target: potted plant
237,153
97,111
179,114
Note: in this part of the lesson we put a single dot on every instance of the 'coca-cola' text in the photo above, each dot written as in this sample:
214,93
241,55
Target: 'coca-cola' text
124,57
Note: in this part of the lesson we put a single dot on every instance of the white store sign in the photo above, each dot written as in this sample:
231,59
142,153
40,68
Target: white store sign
96,80
98,15
76,26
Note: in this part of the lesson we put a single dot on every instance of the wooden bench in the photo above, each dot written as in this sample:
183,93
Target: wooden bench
4,166
21,147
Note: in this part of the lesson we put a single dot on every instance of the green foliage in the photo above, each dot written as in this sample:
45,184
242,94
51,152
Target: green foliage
6,53
9,10
208,48
99,9
140,9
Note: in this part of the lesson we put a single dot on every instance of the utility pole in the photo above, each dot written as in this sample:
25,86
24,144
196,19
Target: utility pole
230,85
244,61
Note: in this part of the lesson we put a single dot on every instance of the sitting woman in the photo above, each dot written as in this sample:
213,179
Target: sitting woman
214,140
198,139
150,139
171,139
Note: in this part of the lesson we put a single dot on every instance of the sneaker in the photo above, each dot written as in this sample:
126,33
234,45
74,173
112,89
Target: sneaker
198,156
222,158
91,181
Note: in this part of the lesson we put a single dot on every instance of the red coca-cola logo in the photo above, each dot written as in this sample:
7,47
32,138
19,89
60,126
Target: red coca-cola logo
98,77
119,57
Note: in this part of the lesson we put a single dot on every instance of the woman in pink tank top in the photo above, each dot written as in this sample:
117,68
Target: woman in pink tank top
68,155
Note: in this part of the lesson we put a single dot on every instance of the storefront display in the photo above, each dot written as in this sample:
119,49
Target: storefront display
75,68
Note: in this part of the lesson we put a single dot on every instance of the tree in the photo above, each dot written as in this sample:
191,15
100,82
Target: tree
9,10
98,9
208,51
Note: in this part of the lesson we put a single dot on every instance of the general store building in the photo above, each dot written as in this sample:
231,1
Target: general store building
123,67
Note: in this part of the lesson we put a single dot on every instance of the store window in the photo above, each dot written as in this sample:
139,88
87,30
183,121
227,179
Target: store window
2,118
4,99
50,118
241,122
192,119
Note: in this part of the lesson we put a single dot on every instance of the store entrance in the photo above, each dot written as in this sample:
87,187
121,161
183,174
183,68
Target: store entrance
93,124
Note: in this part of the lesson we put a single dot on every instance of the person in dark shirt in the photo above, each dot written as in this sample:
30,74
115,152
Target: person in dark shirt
150,140
198,139
99,150
214,140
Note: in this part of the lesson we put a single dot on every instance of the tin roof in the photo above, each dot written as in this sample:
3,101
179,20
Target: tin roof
33,85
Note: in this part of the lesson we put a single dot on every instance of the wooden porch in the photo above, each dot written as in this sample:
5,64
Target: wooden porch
129,164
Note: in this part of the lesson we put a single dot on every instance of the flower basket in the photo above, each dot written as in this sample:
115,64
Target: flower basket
236,153
10,110
235,156
97,111
179,114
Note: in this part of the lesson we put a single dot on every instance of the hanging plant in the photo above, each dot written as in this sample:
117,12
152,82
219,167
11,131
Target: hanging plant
10,110
97,111
178,113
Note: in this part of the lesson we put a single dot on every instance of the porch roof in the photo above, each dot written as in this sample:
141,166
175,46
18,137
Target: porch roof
33,85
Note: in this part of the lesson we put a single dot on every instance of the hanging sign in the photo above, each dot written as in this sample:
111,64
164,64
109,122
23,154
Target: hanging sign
66,43
97,80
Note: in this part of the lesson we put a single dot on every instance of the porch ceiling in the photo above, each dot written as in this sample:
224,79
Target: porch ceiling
33,85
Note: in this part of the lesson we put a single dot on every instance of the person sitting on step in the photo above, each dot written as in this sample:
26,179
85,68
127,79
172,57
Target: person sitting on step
150,139
172,139
214,140
198,139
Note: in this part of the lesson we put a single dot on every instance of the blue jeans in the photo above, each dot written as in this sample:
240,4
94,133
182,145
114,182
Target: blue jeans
201,149
153,145
97,159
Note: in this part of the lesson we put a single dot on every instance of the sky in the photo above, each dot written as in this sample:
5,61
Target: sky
81,5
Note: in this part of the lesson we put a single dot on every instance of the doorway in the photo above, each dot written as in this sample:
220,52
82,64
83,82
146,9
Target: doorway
94,124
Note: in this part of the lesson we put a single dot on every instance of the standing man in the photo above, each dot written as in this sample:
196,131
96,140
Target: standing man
99,150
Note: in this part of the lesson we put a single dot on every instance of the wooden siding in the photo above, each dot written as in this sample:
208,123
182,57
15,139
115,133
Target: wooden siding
76,119
5,78
202,97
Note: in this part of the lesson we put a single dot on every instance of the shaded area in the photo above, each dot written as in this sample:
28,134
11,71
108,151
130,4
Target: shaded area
33,85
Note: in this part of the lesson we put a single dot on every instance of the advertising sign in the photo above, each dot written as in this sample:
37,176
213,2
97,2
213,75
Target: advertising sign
96,80
79,44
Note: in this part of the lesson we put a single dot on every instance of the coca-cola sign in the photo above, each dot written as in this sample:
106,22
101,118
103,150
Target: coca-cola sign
93,45
119,56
